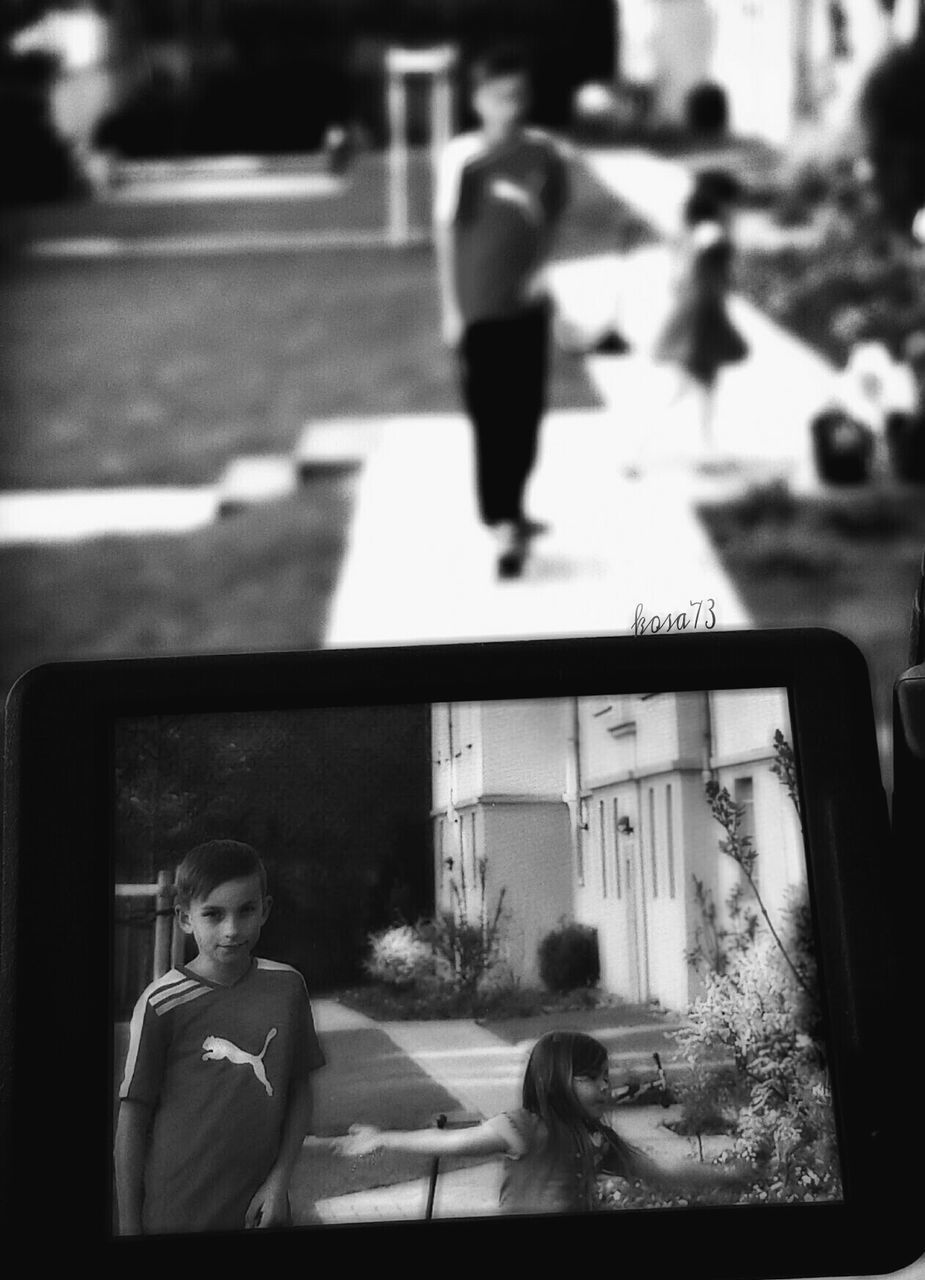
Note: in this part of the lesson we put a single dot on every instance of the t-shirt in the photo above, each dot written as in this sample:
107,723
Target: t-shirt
539,1178
502,201
215,1063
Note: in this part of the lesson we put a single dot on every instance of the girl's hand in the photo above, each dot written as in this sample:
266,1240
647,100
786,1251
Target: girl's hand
269,1207
360,1140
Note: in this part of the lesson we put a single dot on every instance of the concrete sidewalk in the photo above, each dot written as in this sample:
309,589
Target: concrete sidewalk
484,1073
419,567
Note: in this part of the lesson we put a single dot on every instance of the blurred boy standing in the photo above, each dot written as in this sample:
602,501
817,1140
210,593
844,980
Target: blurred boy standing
501,192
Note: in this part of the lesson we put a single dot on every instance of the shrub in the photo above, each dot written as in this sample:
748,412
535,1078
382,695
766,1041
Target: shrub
37,164
399,957
754,1014
569,957
466,954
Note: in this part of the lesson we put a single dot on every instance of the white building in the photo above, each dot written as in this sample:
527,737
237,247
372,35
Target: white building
782,63
594,809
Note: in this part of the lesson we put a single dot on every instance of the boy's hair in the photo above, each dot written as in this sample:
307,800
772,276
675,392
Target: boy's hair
211,864
497,63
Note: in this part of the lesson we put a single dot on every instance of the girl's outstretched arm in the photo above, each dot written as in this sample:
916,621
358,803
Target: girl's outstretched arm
364,1139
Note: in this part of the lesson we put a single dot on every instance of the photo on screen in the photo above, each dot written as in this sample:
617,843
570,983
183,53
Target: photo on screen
533,956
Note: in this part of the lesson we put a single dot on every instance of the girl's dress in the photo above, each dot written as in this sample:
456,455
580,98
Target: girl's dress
698,334
542,1177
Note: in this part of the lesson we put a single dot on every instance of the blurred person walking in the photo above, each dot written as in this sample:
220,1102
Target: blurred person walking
501,192
698,335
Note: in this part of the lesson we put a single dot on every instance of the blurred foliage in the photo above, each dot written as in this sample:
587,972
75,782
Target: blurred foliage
37,165
336,803
271,76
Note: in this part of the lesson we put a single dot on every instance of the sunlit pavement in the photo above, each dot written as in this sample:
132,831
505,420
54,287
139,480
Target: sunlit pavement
484,1074
419,567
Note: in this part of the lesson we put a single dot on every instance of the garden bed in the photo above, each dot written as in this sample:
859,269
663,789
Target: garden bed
849,561
429,1002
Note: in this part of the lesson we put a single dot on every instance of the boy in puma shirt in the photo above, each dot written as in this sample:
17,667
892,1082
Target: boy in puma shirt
217,1093
501,192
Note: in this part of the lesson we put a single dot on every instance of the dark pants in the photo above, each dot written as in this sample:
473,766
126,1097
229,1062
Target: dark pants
504,367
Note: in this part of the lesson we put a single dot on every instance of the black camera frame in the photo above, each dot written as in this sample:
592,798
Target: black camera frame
55,946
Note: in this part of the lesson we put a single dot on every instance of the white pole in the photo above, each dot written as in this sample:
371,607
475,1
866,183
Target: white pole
177,936
398,159
162,930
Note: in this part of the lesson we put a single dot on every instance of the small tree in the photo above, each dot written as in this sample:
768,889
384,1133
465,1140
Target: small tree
469,949
714,944
761,1012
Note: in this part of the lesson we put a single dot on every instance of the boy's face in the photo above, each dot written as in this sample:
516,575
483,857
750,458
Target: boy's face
502,102
226,924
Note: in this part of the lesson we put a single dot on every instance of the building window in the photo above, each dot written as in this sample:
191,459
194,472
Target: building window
652,840
669,840
475,856
743,793
616,848
603,839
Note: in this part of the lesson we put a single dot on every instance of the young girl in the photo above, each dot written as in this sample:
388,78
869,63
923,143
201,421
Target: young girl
698,335
557,1143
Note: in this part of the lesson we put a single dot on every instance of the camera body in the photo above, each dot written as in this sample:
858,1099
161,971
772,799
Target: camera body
567,705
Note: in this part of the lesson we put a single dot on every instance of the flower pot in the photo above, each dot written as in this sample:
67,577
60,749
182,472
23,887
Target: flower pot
842,448
905,442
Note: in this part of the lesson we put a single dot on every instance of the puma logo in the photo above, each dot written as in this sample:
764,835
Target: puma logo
215,1049
504,189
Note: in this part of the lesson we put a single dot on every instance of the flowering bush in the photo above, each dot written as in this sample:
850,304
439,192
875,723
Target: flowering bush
466,953
751,1013
399,956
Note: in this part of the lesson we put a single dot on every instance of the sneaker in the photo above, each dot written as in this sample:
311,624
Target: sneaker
512,549
611,344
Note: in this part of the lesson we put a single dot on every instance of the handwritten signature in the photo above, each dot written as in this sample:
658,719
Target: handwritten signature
683,621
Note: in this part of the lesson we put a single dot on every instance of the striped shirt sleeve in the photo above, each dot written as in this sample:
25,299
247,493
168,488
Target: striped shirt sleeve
147,1053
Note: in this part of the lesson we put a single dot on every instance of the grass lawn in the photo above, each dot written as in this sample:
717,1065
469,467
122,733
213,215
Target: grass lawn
160,370
259,580
847,561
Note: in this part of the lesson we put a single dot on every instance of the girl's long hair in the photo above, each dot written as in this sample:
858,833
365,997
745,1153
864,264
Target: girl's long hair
556,1059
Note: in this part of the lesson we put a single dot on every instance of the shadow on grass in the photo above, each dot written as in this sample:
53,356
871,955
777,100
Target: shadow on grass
260,580
846,560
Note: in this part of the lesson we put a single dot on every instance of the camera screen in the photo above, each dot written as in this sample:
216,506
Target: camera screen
533,956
